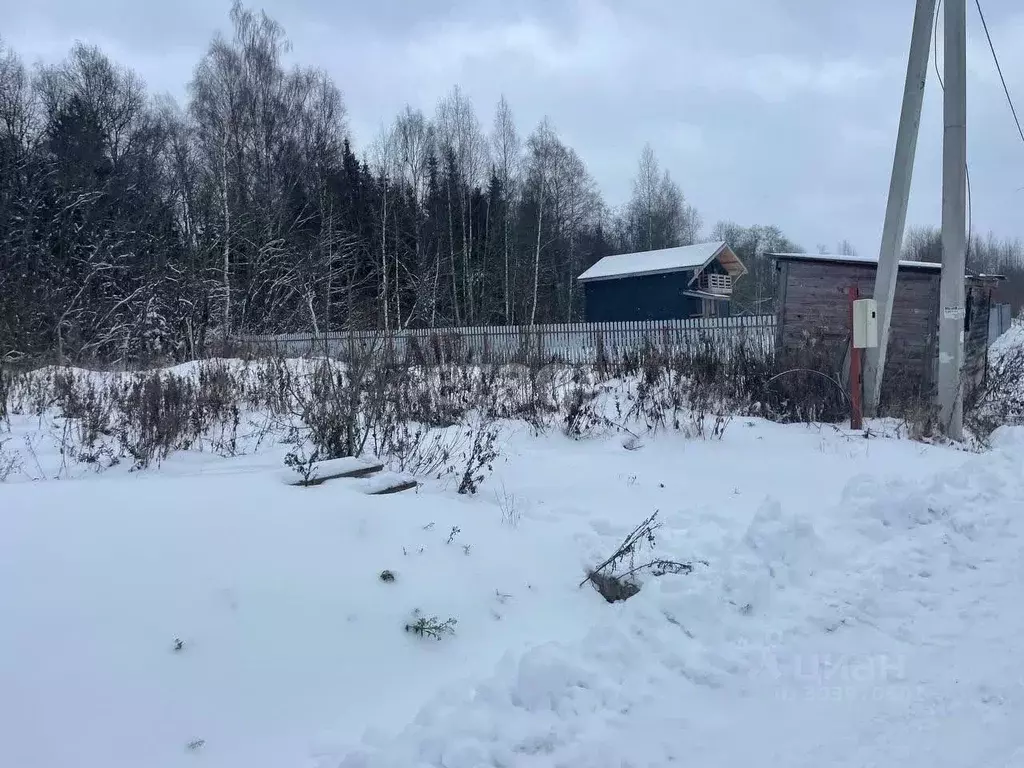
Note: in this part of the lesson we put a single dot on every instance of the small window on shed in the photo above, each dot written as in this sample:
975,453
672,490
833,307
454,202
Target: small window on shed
709,308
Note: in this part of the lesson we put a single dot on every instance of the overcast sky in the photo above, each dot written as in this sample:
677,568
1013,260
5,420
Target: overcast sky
766,111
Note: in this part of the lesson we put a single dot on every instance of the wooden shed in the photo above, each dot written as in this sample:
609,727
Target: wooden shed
666,284
812,312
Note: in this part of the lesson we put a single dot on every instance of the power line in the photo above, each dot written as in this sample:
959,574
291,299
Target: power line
970,211
999,69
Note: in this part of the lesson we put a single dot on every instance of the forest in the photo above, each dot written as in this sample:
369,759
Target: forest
136,229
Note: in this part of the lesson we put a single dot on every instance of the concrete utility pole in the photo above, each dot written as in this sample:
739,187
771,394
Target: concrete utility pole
954,208
899,195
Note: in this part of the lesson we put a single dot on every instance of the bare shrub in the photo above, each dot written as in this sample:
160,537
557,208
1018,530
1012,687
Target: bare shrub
509,505
697,389
580,411
144,416
272,387
303,465
333,404
28,393
5,393
527,393
166,418
417,417
603,366
615,578
999,399
906,400
478,458
9,462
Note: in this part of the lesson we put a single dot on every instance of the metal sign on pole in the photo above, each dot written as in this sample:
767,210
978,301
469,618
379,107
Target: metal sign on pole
954,215
899,196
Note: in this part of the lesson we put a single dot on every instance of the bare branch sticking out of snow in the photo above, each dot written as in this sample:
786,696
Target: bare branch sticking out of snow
614,586
431,626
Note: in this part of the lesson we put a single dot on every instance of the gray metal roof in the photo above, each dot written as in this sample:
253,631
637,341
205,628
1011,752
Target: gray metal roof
840,259
663,261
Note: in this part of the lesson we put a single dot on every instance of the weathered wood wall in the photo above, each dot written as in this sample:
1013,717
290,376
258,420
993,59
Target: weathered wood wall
814,311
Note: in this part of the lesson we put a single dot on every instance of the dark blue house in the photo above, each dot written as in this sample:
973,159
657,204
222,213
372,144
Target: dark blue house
667,284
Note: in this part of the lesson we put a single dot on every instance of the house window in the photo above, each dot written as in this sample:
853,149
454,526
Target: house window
709,308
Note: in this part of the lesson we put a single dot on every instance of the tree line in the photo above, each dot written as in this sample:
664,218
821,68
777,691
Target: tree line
132,227
986,255
135,228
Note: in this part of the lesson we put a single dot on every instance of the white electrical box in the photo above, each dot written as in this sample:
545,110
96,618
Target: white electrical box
865,323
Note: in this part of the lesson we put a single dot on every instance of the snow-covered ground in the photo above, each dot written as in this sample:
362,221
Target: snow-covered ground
861,605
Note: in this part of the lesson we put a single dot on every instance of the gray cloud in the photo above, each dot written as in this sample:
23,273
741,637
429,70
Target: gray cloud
766,111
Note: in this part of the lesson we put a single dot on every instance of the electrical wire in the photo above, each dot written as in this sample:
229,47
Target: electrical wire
999,69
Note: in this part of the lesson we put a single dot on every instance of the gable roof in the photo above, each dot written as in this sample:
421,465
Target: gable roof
664,261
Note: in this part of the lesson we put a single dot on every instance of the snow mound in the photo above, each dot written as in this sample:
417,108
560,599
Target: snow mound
626,693
1007,438
1011,340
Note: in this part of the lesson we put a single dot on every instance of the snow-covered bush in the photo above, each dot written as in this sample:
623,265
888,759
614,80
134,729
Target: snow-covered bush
999,399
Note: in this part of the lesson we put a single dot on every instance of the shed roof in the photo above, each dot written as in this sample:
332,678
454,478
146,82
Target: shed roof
924,266
663,261
865,260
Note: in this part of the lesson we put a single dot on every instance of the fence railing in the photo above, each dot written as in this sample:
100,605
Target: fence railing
568,342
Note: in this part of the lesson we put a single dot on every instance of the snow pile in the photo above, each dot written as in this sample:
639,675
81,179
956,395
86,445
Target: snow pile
1011,340
635,690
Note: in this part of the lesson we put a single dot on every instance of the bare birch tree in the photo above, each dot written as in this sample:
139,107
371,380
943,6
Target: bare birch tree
542,150
386,163
506,151
658,216
414,146
458,132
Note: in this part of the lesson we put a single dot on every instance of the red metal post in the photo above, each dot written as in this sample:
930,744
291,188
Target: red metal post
856,383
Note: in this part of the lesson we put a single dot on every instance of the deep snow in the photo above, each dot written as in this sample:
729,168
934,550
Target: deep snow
861,606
